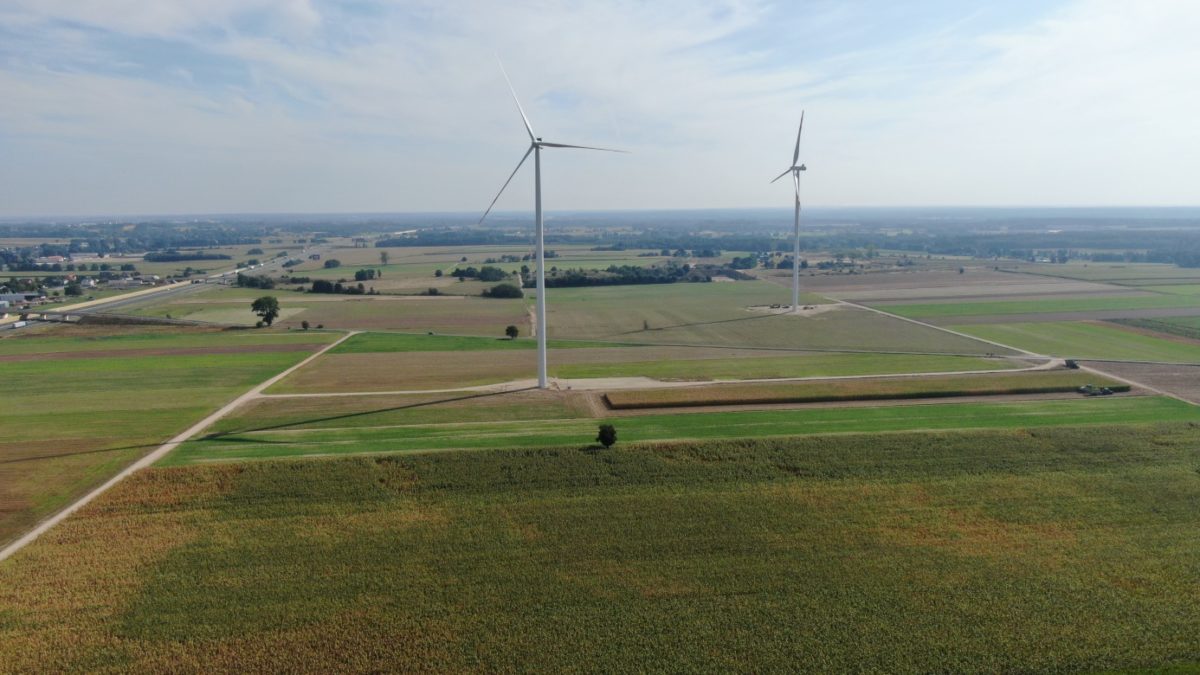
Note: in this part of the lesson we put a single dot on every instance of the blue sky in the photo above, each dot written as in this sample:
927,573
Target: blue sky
185,106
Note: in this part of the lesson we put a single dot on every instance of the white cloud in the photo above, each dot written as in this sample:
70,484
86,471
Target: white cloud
401,107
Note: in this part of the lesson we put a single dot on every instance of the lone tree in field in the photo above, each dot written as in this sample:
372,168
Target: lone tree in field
266,307
512,332
607,435
383,257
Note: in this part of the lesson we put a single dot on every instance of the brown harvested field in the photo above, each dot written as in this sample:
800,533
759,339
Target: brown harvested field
882,388
1035,317
1182,381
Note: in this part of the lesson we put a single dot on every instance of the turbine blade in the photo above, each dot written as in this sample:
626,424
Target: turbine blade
516,100
796,180
789,170
579,147
502,187
796,154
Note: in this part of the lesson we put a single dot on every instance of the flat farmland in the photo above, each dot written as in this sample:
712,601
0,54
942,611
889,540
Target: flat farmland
450,314
1128,274
948,285
1088,340
337,438
382,362
1118,303
91,401
720,314
942,386
974,552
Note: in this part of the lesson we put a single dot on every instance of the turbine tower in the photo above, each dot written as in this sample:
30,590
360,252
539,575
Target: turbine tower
795,170
535,146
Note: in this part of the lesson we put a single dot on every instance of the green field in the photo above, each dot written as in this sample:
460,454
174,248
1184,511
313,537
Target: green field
359,436
69,422
1086,340
1050,550
937,310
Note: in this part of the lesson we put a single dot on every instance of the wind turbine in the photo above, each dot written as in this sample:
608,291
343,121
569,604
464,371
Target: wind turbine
535,146
795,170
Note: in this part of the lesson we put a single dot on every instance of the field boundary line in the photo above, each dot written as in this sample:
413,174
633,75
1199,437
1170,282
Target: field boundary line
150,458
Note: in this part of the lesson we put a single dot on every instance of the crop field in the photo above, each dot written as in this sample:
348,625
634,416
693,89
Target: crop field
450,314
340,437
914,286
718,314
941,310
1126,274
91,401
968,552
1182,326
372,362
860,389
1088,340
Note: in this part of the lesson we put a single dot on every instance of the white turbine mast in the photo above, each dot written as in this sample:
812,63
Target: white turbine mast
795,170
535,146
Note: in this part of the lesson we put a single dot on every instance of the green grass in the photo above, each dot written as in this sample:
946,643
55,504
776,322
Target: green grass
1051,550
341,439
1004,307
1086,340
807,365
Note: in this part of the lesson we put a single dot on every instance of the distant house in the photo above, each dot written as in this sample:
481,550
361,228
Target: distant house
16,299
315,256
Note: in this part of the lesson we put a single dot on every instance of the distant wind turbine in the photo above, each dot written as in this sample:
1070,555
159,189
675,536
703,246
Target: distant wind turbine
535,146
795,170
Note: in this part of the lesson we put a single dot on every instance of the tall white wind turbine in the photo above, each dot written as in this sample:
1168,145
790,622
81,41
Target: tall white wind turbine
535,146
795,170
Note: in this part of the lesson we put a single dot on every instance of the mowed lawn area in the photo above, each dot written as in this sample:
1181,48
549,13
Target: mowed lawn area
1088,340
78,404
1046,550
334,435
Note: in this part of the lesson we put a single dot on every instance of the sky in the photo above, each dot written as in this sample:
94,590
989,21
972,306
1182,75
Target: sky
289,106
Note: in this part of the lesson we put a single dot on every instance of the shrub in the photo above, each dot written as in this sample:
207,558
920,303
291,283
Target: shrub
607,435
503,291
